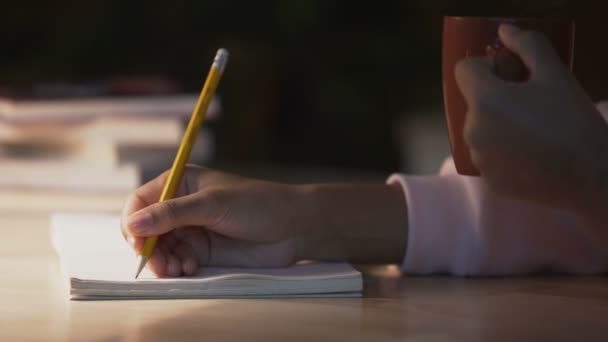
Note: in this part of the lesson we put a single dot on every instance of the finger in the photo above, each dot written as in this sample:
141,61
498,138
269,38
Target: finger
509,67
143,196
150,192
137,242
532,47
166,216
198,239
476,79
170,240
157,263
174,266
185,253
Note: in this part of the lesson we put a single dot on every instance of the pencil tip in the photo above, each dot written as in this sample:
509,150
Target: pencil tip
142,264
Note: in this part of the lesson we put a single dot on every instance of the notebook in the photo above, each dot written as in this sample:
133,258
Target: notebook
98,264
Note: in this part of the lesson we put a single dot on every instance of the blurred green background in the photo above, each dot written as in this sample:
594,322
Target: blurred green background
309,82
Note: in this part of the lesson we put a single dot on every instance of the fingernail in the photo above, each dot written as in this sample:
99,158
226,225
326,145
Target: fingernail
140,222
509,29
131,240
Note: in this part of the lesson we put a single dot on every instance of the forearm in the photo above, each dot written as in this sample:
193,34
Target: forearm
364,223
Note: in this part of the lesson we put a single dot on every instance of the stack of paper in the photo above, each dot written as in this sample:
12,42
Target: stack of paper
78,110
111,130
90,148
69,175
98,264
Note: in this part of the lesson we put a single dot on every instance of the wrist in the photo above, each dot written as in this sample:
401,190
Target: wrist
365,223
309,230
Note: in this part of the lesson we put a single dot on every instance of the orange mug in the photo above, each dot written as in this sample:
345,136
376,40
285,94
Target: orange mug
478,36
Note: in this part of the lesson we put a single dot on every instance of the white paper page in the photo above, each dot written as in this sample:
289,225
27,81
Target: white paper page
91,247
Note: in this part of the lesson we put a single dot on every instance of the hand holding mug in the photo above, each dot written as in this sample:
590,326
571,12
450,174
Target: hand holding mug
542,139
465,37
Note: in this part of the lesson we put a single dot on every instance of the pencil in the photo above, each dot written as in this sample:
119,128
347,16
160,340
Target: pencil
183,153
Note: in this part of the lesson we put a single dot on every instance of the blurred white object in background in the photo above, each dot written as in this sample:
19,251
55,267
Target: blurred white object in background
422,138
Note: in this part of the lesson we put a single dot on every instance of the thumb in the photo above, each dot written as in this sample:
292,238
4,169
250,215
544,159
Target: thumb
163,217
476,78
532,47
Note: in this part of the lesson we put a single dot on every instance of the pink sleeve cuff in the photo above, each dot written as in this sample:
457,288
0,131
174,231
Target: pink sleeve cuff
456,226
437,214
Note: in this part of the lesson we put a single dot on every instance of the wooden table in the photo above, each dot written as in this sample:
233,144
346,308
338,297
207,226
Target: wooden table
33,306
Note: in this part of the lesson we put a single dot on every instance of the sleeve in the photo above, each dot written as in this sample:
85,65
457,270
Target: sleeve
456,226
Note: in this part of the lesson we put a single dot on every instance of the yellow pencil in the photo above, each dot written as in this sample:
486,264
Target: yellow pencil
183,154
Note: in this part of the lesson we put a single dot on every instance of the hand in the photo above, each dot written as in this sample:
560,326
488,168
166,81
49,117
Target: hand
540,140
218,219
